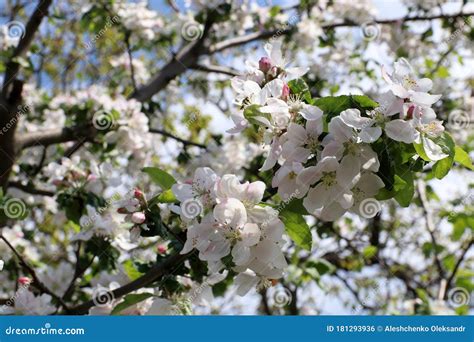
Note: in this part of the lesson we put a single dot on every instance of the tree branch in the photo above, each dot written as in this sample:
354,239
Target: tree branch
31,27
36,281
145,280
169,135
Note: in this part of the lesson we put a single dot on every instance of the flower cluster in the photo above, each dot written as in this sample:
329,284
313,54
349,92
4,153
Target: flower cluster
229,227
326,159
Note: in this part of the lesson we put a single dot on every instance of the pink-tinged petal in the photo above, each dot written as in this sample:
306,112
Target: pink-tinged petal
182,191
254,193
370,134
369,159
250,234
370,184
241,254
316,199
314,128
348,172
399,91
296,133
352,118
424,99
333,149
386,75
331,212
311,112
231,212
432,150
401,130
424,85
309,176
273,155
292,73
245,282
339,130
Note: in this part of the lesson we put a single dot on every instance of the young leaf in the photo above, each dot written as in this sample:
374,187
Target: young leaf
160,177
442,167
130,300
462,157
297,229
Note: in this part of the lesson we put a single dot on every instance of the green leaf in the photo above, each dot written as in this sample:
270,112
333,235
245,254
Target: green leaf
297,229
405,194
298,86
462,157
160,177
252,113
370,251
131,270
421,151
442,167
130,300
167,197
334,105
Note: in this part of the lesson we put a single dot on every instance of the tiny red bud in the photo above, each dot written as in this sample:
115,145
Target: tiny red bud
265,64
285,93
24,280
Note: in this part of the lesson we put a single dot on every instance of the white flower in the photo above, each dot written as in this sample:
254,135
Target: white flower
299,143
343,143
162,307
406,85
26,303
332,196
279,64
368,186
285,180
201,189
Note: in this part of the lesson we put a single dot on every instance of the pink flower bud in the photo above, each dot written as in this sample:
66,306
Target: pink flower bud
161,249
24,280
138,194
91,178
264,64
138,217
285,92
